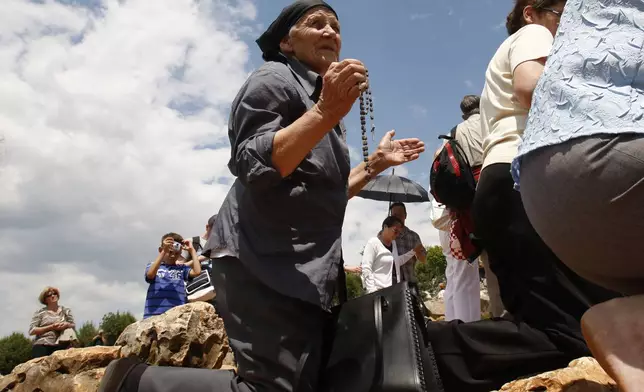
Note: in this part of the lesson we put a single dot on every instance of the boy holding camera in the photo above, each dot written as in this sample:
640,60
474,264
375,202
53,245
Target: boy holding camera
166,278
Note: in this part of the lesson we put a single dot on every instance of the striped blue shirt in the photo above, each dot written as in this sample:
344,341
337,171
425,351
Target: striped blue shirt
167,289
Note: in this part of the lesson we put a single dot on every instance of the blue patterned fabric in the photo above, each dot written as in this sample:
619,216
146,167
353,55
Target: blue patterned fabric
593,82
166,290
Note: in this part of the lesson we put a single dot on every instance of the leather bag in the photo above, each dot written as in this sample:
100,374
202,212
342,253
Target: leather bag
380,343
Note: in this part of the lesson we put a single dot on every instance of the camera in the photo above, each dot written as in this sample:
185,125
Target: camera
177,246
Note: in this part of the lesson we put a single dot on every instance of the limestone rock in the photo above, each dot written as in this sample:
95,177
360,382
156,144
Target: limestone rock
436,307
485,302
582,375
191,335
73,370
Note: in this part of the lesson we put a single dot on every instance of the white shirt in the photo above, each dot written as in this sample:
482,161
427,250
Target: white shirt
377,264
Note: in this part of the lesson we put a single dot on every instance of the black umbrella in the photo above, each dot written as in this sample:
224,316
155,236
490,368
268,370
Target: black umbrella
393,188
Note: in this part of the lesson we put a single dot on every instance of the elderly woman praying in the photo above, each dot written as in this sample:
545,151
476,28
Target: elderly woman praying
291,162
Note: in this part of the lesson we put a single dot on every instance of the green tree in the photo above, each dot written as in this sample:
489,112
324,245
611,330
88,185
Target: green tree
354,286
86,333
14,350
432,273
113,325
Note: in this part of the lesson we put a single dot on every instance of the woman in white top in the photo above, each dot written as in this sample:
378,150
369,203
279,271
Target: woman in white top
380,259
516,253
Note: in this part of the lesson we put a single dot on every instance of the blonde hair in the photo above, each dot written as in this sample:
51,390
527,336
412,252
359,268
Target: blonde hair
46,290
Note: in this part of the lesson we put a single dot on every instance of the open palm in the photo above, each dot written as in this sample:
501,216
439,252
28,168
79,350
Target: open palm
397,152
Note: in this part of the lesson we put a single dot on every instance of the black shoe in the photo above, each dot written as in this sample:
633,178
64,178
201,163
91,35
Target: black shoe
116,373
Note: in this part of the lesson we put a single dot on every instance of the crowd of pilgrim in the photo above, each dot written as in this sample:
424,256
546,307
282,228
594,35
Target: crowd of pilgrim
558,206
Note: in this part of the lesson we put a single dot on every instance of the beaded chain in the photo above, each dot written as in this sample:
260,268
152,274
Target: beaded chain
366,107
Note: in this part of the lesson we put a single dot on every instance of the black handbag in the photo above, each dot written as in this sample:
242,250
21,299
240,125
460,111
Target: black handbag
380,344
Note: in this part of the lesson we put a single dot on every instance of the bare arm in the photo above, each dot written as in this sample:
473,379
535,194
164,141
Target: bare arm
358,177
154,268
293,143
526,76
389,153
420,251
196,267
267,145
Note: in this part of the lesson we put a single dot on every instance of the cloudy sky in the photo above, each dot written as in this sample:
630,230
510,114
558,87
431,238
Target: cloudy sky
113,126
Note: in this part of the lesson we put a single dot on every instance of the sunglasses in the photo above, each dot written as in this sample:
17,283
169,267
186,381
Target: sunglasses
557,13
51,294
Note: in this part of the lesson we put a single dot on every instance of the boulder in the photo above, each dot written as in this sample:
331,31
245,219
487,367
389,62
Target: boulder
485,302
191,335
73,370
436,307
582,375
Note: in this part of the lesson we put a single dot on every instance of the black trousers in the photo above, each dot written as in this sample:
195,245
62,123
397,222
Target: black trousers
278,341
545,298
40,350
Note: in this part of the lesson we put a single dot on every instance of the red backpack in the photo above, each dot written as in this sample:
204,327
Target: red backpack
453,184
452,179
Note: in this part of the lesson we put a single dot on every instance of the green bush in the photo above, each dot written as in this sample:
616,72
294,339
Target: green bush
14,350
354,286
432,273
113,325
86,333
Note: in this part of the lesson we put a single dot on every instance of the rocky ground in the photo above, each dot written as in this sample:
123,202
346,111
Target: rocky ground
193,336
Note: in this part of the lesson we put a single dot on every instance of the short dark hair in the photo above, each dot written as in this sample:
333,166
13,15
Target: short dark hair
470,105
515,19
391,221
174,236
398,204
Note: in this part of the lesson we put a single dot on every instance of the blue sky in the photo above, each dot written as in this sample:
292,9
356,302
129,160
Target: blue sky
423,57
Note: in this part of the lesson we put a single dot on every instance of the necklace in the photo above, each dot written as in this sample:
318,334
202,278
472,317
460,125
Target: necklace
366,107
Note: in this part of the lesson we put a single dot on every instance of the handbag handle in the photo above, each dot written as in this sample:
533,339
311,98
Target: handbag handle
379,303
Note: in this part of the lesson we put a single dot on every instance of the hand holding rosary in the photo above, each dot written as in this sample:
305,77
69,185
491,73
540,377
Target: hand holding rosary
366,107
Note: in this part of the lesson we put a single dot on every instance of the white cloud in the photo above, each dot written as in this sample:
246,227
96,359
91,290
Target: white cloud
401,171
468,83
102,111
97,164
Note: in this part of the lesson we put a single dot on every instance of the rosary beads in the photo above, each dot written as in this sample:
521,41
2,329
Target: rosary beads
366,107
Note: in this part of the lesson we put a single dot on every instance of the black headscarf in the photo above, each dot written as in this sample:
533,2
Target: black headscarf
269,42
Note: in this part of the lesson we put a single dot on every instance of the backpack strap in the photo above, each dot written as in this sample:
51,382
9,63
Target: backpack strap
450,136
452,132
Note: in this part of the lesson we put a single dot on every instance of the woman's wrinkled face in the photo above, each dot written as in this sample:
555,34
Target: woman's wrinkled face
315,40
